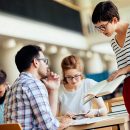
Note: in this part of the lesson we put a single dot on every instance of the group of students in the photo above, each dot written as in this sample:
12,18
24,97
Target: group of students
37,97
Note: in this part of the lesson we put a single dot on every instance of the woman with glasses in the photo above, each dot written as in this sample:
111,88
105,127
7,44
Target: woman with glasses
75,87
106,19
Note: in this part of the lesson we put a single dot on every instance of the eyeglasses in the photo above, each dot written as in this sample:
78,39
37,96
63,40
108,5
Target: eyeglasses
45,60
70,78
102,27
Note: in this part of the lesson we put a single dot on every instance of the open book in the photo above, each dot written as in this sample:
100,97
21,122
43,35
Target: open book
90,120
103,88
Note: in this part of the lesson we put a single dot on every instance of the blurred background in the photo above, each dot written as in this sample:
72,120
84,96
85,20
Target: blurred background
61,28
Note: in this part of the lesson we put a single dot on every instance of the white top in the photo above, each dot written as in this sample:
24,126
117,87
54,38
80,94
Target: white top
122,53
73,101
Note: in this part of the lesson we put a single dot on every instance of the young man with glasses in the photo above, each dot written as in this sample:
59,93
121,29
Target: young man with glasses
45,60
106,19
29,101
74,88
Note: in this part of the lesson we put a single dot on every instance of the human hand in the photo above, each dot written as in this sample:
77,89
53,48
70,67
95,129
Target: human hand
116,74
70,114
65,121
92,113
52,82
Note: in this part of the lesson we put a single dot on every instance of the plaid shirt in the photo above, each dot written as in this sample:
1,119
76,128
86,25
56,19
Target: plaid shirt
27,103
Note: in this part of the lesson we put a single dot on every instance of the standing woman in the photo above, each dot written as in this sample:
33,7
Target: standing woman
107,21
74,88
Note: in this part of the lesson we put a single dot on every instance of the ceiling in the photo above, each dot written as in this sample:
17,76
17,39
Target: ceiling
75,4
46,11
85,8
79,12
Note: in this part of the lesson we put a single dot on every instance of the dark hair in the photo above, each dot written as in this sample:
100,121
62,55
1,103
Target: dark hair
25,56
3,77
105,11
71,62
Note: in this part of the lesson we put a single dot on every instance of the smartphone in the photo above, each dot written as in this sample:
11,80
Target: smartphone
79,116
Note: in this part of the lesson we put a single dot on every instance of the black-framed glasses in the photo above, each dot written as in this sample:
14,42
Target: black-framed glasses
102,27
45,60
70,78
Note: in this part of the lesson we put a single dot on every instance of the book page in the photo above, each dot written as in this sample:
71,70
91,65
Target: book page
88,98
97,88
90,120
111,86
103,88
94,91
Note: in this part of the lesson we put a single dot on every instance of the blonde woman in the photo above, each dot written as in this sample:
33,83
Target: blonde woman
74,88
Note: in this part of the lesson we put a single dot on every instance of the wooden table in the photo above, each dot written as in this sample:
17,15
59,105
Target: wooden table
122,121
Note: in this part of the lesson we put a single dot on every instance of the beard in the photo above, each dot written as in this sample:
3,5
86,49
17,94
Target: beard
44,74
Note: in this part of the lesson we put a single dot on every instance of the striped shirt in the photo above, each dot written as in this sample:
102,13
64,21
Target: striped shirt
122,53
27,103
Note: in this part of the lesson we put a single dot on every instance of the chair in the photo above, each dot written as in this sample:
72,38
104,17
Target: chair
11,126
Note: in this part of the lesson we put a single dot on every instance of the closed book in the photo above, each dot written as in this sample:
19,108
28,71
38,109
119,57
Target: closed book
117,113
117,103
118,108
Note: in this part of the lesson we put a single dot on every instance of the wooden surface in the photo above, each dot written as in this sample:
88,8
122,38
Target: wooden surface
10,126
108,128
121,120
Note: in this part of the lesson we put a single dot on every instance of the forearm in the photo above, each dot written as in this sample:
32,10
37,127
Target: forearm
65,122
99,112
126,69
102,111
62,126
53,100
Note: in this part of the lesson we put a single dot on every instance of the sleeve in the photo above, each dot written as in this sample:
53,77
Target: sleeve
101,110
60,97
90,83
38,97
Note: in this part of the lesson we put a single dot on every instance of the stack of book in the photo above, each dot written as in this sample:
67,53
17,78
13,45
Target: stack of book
117,105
